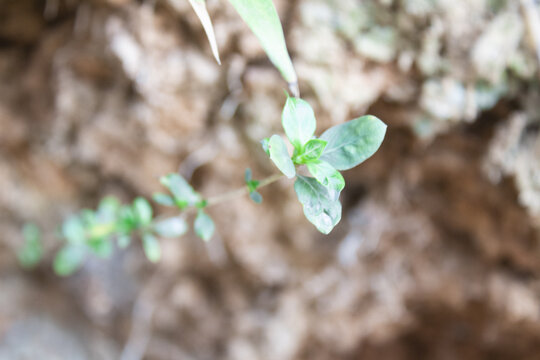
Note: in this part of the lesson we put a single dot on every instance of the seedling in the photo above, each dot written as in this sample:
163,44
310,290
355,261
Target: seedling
339,148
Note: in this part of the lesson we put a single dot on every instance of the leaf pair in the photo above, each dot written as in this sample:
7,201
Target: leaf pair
183,194
182,197
262,18
252,187
341,147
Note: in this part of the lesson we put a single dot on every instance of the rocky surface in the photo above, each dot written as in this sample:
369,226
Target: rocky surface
437,255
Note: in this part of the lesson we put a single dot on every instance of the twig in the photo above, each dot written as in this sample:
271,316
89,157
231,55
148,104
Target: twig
241,191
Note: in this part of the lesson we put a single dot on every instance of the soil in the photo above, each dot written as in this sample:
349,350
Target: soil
437,255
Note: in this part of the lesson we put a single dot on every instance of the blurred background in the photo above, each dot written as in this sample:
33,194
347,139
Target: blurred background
438,252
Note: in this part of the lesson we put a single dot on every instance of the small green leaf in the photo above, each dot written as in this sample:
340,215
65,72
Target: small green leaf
298,121
252,185
280,156
264,144
262,18
327,176
32,251
199,7
312,151
204,226
201,204
151,247
90,217
107,209
102,247
247,175
123,241
256,197
351,143
163,199
321,207
73,230
172,227
142,210
127,220
69,259
183,193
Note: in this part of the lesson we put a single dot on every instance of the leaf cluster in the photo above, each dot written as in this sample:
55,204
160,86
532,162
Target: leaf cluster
341,147
113,225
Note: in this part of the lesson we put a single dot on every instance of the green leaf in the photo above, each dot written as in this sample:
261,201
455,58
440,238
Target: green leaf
204,226
123,241
142,210
183,193
256,197
252,185
321,207
327,176
151,247
89,217
108,209
312,151
102,247
172,227
199,6
351,143
201,204
262,18
32,251
127,220
163,199
264,144
298,121
280,156
247,175
73,230
69,259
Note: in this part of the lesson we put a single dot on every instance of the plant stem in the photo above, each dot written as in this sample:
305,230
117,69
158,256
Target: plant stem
241,191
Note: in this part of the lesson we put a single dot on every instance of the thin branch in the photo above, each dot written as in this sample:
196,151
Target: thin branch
241,191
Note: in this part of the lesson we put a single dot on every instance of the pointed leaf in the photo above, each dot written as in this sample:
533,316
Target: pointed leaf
321,207
312,151
298,121
262,18
280,156
351,143
204,226
327,176
199,6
